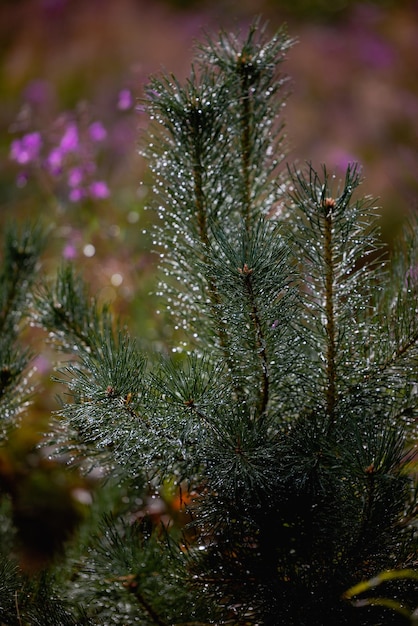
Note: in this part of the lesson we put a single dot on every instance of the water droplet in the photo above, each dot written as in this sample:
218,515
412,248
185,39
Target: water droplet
89,250
116,279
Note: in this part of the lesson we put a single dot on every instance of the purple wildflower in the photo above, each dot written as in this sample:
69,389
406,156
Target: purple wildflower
340,160
125,100
26,149
97,131
76,194
69,252
54,161
75,176
99,190
375,52
69,141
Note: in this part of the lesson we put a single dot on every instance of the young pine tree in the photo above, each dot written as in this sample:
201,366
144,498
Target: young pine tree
286,414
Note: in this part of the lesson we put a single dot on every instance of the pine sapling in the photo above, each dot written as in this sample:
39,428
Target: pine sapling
283,414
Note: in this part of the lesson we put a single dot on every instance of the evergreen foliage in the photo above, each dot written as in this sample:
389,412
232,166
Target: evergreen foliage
285,416
19,264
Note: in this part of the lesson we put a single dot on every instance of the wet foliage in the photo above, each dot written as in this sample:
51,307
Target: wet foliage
265,467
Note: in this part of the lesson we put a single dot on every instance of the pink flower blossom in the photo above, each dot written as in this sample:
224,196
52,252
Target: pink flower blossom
69,141
97,131
76,194
99,190
75,176
125,100
69,252
54,161
26,149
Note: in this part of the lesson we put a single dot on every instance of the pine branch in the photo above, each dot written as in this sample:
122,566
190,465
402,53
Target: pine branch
20,261
257,299
202,221
195,137
72,318
329,205
256,94
34,600
148,608
211,109
260,348
21,256
336,280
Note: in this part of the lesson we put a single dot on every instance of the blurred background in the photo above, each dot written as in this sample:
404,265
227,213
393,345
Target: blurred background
71,74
